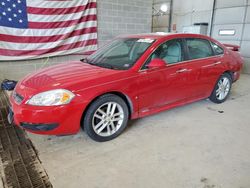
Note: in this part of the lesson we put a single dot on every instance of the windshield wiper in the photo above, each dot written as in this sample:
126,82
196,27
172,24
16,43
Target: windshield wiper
106,66
85,60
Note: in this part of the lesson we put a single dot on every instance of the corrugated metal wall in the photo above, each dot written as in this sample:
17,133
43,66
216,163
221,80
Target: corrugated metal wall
234,15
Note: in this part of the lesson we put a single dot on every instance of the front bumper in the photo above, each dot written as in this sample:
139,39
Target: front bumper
57,120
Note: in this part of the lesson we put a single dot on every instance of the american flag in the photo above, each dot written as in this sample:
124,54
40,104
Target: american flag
42,28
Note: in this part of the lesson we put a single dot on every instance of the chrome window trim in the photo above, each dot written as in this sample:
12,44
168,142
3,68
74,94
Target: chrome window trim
187,61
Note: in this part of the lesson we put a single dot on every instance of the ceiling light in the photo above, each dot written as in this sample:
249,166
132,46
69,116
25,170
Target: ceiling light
164,8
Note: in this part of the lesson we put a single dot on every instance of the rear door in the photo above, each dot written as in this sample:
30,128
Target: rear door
205,66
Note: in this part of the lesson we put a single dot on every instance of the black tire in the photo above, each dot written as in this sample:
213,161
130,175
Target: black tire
89,115
213,97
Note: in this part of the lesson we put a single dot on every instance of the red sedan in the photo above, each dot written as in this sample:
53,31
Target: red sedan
131,77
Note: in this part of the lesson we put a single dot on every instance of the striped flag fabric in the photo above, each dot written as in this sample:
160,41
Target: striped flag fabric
32,29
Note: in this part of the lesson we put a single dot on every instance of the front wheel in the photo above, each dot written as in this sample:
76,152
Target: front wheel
106,118
222,89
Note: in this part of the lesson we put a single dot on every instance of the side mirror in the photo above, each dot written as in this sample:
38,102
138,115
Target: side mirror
157,63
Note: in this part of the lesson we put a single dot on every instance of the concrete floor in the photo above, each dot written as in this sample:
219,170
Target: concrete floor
202,145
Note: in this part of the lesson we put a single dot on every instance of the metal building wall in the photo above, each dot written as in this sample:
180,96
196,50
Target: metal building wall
160,20
188,12
234,15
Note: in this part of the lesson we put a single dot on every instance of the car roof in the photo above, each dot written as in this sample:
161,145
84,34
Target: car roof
161,35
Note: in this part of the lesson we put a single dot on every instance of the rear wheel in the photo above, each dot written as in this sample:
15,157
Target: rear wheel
222,89
106,118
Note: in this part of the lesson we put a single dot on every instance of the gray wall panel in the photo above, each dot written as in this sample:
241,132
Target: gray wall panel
160,29
248,15
237,27
188,12
161,21
199,5
118,17
183,21
246,65
229,15
246,35
235,42
230,3
245,48
201,16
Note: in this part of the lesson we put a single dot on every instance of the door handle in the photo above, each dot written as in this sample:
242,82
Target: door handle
212,65
217,63
182,70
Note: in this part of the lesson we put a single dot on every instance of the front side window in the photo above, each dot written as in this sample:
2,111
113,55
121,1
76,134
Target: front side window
199,48
121,54
171,52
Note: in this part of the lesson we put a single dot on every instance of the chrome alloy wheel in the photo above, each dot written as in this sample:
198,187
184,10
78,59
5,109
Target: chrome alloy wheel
223,88
108,119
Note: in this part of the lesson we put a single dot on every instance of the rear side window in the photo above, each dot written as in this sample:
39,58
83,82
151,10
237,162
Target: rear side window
199,48
217,49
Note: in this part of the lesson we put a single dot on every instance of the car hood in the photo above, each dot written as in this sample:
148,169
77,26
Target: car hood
68,76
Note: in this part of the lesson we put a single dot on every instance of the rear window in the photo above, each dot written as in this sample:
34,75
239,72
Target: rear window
217,49
199,48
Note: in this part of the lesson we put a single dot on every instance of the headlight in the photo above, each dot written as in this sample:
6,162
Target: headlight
51,98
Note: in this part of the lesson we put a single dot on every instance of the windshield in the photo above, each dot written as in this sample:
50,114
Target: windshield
120,54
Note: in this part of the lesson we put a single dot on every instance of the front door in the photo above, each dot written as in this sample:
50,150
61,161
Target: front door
161,87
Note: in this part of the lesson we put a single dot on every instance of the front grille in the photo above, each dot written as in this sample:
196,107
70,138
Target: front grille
17,97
